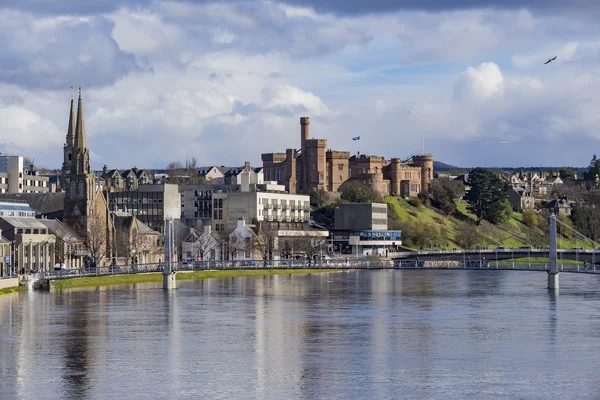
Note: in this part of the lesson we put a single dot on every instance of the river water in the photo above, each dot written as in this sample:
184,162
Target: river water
345,335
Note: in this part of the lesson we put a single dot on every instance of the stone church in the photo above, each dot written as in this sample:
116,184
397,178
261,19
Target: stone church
85,206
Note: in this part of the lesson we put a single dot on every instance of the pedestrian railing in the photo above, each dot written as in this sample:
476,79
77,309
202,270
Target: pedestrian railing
319,264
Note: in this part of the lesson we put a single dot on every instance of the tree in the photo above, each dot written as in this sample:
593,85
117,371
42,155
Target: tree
59,250
593,169
356,192
129,243
311,245
318,197
184,173
566,174
530,218
265,241
586,219
442,197
487,196
467,236
93,231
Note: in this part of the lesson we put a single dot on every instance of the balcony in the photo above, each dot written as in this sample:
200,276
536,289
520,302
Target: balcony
268,206
278,206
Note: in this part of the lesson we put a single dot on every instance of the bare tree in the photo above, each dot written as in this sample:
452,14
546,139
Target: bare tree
309,244
58,248
265,242
129,243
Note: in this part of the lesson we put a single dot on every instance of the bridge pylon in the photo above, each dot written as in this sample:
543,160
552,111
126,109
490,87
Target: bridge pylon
553,256
169,269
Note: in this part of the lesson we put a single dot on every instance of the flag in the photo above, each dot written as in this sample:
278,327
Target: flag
356,138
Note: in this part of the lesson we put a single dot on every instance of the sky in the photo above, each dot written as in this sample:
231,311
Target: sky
226,81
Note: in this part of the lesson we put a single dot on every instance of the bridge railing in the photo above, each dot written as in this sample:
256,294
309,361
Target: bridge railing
221,265
319,264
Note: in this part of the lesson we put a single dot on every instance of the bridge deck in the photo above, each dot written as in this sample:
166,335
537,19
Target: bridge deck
330,264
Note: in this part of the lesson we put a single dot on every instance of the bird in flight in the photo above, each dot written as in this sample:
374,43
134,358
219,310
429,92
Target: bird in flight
504,142
550,60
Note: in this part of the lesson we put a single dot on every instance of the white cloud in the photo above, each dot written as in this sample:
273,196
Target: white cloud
225,82
480,83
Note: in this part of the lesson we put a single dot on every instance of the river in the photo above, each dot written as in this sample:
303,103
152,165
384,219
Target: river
345,335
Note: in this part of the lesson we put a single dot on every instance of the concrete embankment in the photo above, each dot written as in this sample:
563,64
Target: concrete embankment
10,286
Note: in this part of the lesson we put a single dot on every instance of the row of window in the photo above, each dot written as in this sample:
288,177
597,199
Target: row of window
17,213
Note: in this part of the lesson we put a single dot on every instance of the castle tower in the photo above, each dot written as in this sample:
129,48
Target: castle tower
68,149
79,189
426,165
304,136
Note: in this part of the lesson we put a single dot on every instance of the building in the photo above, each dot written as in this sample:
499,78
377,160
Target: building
136,242
409,178
520,199
206,246
315,167
6,266
312,167
85,209
279,219
130,179
361,228
360,216
271,204
196,203
17,178
151,204
33,244
559,207
69,248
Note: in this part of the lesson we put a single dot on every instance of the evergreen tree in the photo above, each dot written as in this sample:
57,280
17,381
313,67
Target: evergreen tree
487,196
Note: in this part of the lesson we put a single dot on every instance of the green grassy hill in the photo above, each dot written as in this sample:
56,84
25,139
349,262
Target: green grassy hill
443,228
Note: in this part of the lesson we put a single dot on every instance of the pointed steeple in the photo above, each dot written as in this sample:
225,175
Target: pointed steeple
81,154
71,128
80,139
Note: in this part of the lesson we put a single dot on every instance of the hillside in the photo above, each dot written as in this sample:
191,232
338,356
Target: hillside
441,230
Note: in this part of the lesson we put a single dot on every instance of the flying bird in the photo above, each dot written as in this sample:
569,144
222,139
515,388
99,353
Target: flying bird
504,142
550,60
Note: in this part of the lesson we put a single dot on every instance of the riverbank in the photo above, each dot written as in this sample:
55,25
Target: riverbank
182,275
13,290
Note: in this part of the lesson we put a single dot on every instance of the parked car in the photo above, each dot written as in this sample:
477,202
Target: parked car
60,267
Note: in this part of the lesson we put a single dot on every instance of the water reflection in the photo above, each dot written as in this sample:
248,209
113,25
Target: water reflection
368,334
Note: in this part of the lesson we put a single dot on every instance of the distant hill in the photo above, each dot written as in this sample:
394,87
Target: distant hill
440,166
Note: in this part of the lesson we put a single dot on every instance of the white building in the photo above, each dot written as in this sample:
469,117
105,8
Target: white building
17,178
201,247
271,205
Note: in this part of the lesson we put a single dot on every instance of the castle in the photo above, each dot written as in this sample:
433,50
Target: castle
314,167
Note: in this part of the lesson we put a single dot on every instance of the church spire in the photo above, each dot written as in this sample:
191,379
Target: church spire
81,155
80,139
70,129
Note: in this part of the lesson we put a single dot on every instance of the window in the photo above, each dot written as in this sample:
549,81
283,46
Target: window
314,166
340,167
341,179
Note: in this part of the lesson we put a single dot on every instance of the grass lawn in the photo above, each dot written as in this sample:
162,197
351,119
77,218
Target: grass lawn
535,260
157,277
511,234
13,290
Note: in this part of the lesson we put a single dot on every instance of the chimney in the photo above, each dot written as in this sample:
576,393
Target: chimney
241,223
104,170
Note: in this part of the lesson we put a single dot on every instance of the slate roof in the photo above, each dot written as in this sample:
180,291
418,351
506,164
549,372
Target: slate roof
42,203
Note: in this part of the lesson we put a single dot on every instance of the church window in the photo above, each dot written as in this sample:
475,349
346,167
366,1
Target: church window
73,193
69,156
81,189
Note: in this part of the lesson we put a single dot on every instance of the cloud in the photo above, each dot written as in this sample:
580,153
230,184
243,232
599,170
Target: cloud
58,52
480,83
225,82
